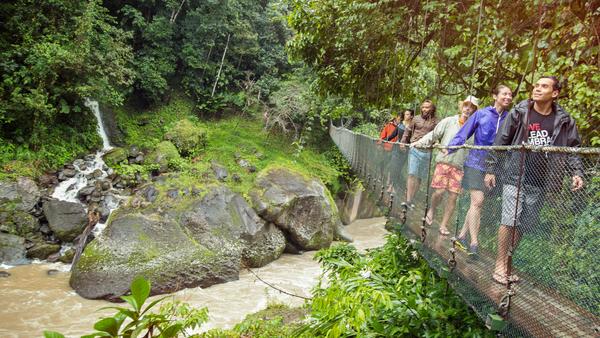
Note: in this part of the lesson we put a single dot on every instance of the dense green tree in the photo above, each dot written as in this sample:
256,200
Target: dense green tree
53,55
376,52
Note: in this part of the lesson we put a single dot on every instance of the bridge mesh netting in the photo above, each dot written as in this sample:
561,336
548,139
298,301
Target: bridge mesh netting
549,286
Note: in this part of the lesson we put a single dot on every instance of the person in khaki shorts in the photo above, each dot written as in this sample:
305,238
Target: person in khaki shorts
538,121
448,171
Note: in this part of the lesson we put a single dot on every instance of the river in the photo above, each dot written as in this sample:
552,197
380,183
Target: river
31,300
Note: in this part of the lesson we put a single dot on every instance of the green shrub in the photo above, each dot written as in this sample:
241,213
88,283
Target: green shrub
164,153
387,292
187,137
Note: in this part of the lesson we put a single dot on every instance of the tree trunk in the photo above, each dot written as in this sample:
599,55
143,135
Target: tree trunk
175,13
220,67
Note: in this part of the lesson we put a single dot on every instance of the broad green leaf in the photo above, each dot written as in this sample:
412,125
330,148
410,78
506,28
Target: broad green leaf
171,331
110,325
140,290
132,301
53,334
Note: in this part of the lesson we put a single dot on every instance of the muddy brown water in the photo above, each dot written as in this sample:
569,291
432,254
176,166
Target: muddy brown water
31,300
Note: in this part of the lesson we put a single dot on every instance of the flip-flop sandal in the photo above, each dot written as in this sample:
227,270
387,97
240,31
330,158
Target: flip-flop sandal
444,232
500,279
514,278
428,220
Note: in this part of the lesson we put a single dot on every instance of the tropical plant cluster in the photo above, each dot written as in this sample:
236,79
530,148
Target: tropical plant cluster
387,292
55,54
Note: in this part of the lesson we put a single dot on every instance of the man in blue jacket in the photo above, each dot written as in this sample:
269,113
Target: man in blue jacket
484,125
539,121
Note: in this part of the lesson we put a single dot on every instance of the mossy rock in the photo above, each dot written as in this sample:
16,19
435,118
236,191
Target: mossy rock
187,137
299,205
115,156
18,223
67,257
12,249
164,153
198,240
42,250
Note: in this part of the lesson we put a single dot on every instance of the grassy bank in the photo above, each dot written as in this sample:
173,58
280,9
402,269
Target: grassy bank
229,139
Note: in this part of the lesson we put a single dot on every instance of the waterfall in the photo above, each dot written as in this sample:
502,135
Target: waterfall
95,107
87,169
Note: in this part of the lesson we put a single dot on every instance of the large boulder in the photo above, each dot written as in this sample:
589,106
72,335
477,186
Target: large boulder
66,219
12,249
21,194
164,154
187,137
195,240
301,206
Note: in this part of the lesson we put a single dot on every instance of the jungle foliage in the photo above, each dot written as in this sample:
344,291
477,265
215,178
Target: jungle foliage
387,292
379,53
57,53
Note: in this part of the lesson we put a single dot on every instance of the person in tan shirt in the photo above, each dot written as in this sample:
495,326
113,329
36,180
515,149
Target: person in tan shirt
418,160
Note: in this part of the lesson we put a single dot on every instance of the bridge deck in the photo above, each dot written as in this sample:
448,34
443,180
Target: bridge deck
534,311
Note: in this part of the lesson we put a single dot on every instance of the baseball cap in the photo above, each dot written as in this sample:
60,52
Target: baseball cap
472,99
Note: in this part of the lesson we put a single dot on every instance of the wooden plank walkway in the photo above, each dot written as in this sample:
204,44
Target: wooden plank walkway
536,310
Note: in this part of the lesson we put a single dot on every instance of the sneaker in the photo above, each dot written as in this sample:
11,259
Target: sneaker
473,249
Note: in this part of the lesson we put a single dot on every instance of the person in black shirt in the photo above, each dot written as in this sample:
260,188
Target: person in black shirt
539,121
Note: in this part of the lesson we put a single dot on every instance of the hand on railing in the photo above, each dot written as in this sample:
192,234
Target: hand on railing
577,183
490,181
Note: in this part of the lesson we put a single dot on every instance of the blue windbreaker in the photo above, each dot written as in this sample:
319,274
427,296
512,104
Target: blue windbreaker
484,123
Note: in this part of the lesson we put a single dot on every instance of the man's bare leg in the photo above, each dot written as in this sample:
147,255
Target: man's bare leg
412,185
436,198
505,237
450,205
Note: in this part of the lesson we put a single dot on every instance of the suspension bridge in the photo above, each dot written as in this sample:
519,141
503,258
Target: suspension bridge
558,289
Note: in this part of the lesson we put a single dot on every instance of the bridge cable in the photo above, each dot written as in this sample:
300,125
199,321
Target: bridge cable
277,288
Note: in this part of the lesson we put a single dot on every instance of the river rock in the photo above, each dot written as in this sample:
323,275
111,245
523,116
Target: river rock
134,151
219,170
301,206
18,222
243,163
12,249
68,172
66,219
97,173
48,180
264,246
150,193
4,274
42,250
23,194
67,256
194,241
85,191
115,156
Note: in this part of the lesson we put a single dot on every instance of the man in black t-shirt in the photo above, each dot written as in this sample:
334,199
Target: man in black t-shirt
539,121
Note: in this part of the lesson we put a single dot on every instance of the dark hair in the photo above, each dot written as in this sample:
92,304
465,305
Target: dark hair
432,106
556,83
412,112
498,88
